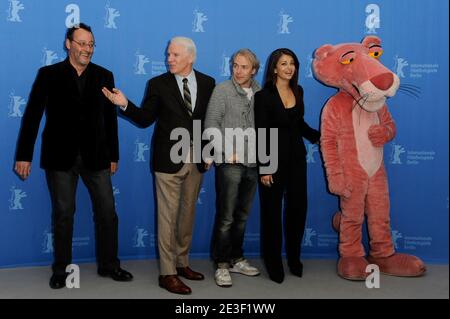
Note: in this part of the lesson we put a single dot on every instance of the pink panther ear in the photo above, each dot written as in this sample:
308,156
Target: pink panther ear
322,52
371,40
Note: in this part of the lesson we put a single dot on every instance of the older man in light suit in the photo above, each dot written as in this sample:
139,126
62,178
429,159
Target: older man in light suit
173,100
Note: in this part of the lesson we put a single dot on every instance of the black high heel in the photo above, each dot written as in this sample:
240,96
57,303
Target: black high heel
297,269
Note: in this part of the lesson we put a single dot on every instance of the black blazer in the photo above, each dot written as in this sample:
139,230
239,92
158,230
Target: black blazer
164,104
271,113
74,124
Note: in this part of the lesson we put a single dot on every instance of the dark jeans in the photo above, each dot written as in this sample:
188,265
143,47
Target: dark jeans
62,186
236,186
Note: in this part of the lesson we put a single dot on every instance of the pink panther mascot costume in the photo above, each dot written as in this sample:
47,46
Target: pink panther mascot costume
355,125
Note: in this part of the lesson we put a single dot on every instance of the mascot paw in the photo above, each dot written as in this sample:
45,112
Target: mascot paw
401,265
337,221
338,186
378,135
353,268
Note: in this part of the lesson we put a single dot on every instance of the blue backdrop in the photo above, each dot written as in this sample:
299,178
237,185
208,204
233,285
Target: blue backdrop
131,39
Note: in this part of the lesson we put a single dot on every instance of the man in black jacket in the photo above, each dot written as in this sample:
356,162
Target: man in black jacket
176,100
79,139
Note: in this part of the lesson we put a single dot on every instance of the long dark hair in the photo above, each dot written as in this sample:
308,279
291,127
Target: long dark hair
271,77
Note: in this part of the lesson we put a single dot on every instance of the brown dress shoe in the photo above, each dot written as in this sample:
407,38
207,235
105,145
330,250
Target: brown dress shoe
174,285
188,273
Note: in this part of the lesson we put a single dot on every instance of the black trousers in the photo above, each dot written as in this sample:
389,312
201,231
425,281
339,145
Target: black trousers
62,186
290,184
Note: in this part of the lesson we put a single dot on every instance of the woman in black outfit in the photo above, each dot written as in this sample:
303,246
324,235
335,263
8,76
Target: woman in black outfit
280,105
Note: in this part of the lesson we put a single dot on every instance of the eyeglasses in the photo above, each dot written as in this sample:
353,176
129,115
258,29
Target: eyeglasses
83,44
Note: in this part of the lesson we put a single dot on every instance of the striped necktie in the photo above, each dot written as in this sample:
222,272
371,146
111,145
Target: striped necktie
187,96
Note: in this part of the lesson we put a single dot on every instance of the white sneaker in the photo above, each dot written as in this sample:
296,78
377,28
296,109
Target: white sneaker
222,277
243,267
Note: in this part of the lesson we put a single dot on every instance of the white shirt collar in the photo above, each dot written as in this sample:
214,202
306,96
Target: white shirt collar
190,77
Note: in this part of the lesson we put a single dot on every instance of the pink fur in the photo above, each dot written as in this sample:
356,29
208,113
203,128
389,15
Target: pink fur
355,125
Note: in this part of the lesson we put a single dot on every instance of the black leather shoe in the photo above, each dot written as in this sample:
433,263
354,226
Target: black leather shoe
58,281
117,274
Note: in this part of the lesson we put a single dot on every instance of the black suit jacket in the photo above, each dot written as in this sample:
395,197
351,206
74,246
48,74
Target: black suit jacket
75,124
270,113
164,104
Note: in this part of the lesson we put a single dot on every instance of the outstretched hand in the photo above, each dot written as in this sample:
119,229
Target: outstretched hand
116,97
